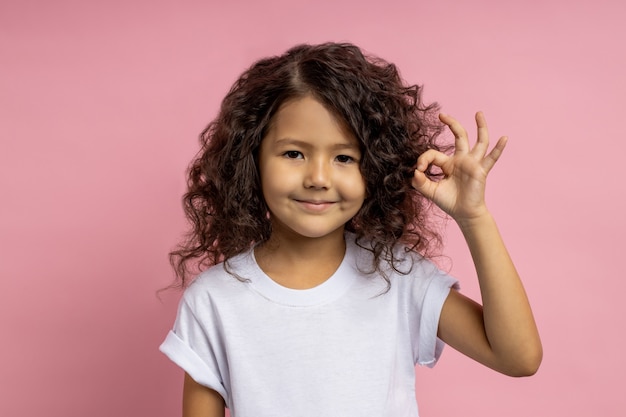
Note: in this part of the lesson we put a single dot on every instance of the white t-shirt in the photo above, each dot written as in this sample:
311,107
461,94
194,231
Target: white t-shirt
344,348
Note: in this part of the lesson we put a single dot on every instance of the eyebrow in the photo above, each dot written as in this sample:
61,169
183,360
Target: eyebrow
296,142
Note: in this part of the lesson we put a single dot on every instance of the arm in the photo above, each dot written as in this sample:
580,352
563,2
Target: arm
200,401
502,333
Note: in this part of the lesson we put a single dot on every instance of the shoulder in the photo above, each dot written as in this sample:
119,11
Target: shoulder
399,263
223,279
409,277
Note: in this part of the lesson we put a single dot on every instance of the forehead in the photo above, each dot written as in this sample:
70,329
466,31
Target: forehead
307,119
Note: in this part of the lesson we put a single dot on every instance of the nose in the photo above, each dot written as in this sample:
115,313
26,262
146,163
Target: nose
318,174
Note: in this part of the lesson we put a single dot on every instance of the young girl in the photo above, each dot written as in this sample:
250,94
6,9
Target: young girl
309,201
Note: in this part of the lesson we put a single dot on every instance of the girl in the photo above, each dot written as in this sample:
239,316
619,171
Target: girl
309,201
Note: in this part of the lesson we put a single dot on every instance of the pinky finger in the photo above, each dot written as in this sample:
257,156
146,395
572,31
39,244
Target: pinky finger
493,156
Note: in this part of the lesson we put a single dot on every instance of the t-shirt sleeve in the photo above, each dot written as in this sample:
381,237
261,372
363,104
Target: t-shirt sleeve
430,297
195,345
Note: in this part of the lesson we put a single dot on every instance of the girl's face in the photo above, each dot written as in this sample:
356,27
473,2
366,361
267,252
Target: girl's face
309,167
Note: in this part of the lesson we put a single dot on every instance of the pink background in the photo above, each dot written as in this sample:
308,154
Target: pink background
101,104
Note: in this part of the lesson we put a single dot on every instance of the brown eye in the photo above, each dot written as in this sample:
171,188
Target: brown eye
344,159
293,154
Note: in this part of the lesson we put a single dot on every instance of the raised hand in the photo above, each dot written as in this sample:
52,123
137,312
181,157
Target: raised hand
501,333
461,193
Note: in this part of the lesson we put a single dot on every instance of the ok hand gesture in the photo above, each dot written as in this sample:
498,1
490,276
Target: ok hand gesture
461,192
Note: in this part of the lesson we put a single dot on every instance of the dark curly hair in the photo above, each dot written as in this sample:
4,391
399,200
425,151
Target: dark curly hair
224,202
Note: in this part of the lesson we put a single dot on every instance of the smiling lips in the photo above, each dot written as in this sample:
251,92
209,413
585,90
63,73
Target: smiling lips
314,205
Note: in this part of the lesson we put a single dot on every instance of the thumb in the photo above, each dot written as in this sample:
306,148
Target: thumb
420,181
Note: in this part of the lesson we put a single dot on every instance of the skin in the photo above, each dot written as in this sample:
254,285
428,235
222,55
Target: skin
500,334
200,401
312,183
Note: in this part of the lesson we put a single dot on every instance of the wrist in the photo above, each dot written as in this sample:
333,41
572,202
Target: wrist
476,221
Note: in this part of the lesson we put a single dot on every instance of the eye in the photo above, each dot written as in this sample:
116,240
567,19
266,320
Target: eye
293,155
345,159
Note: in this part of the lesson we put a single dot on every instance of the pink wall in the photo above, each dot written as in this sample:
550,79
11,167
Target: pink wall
100,107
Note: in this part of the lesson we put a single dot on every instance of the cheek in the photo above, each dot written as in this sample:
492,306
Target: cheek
275,182
354,187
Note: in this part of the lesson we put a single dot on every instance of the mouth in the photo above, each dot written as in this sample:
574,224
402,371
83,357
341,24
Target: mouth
315,205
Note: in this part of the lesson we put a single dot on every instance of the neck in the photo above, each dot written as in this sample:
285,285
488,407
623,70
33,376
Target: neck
298,262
